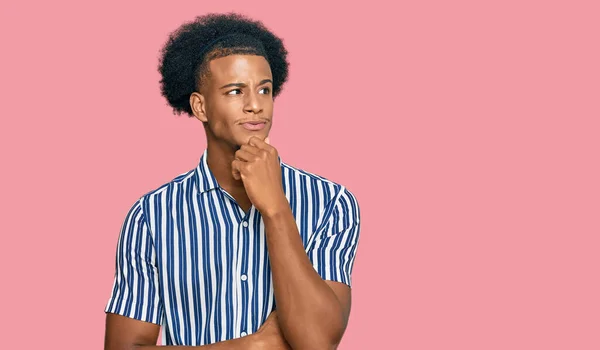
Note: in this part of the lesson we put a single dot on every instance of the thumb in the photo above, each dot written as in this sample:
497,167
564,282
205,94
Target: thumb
235,171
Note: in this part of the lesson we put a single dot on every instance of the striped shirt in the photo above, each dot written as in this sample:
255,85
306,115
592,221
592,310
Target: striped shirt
191,260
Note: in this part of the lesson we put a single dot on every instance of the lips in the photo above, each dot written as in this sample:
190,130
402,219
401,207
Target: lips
254,126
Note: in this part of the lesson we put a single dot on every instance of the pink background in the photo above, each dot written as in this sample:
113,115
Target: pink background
469,132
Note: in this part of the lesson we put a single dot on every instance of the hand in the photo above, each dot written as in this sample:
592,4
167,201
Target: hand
269,335
257,165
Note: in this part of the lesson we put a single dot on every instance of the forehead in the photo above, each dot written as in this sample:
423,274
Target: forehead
239,68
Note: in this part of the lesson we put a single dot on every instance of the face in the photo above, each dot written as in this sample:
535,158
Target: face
236,101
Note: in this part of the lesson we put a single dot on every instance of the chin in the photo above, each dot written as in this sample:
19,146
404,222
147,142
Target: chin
246,138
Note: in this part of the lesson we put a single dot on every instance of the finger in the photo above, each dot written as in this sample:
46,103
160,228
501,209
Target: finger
252,149
267,141
236,174
237,167
244,155
256,142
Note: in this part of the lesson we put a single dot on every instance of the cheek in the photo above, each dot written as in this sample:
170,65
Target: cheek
222,116
229,108
269,106
219,124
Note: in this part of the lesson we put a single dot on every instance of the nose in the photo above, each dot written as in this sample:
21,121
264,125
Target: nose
252,103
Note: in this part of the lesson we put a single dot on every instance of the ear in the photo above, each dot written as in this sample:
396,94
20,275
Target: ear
197,102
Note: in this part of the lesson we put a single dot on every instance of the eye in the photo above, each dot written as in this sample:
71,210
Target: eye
234,92
266,90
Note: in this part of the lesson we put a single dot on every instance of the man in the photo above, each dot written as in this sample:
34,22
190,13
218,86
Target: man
244,251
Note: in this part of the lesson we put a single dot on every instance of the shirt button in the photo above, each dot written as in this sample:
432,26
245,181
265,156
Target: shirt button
245,223
244,334
244,277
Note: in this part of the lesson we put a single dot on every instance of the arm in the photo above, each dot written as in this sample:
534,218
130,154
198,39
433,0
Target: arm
313,312
313,309
124,333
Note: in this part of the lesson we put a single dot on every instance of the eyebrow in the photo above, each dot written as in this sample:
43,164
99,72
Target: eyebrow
244,85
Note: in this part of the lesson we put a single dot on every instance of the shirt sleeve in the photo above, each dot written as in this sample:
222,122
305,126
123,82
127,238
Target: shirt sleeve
135,289
333,249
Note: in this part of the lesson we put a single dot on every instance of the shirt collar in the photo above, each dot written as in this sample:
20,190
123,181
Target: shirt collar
205,179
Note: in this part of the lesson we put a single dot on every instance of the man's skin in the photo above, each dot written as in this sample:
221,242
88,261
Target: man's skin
311,313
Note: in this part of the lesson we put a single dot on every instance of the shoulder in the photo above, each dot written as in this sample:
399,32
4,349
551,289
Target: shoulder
335,191
181,183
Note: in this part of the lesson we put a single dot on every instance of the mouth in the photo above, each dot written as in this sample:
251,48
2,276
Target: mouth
254,125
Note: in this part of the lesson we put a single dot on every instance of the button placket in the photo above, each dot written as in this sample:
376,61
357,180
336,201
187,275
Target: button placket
244,277
244,228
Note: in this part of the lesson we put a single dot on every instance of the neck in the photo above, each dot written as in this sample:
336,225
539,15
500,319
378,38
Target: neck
219,158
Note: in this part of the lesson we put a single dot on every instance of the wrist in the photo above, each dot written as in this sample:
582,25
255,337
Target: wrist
279,207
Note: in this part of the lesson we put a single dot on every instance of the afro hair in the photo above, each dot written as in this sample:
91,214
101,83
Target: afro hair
185,56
